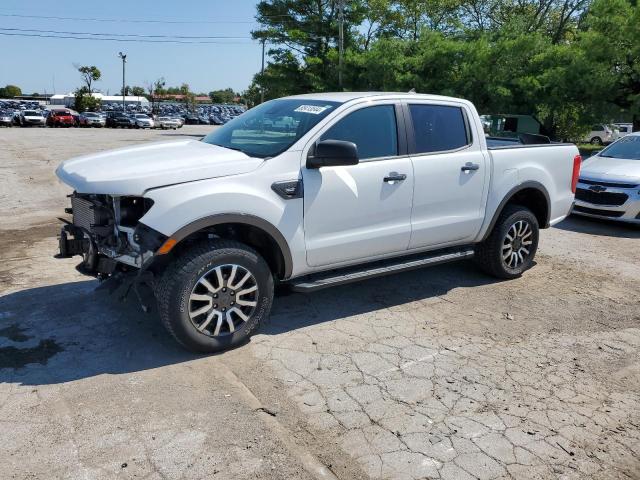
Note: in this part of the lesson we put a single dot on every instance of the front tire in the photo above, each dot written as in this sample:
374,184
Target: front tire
510,248
215,295
596,141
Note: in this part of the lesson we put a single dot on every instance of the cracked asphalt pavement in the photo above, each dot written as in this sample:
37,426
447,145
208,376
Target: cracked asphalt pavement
439,373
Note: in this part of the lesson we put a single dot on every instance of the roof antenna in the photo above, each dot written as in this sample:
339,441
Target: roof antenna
413,90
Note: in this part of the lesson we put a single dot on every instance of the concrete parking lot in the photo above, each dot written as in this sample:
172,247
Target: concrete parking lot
441,373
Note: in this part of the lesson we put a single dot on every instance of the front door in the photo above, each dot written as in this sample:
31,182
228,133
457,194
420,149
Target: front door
360,211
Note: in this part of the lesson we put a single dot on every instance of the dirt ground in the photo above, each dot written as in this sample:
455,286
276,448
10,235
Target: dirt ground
440,373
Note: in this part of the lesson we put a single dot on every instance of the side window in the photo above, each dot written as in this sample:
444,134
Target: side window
438,128
372,129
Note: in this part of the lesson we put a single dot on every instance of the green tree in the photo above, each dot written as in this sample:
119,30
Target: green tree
156,89
138,91
188,97
10,91
567,62
223,96
89,75
610,44
84,101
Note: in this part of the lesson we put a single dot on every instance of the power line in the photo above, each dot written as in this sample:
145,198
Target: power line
123,34
128,20
98,39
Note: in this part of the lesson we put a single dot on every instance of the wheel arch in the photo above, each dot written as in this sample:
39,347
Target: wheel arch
532,195
254,231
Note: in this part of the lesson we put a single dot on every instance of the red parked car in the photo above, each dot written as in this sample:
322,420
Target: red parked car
61,118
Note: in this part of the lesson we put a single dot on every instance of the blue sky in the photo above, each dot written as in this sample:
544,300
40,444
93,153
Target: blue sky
36,64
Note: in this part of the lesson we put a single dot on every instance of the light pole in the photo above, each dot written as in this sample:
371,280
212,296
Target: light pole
124,61
262,73
340,40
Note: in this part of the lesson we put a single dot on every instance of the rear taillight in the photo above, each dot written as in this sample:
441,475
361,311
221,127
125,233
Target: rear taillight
577,160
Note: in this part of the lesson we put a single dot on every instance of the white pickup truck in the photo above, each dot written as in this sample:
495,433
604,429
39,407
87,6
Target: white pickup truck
312,191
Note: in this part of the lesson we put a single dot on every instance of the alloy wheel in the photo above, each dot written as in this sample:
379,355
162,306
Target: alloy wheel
223,300
517,244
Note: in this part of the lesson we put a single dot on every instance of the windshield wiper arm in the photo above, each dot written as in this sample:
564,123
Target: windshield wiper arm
227,147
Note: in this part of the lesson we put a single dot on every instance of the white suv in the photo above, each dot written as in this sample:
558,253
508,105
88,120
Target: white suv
600,135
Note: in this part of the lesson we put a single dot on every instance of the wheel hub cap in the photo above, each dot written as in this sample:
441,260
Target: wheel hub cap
223,300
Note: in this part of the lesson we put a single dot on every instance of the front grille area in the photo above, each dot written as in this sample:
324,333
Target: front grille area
601,198
609,184
94,215
83,213
596,211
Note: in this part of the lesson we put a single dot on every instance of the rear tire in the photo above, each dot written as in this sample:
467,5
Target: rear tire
227,282
511,247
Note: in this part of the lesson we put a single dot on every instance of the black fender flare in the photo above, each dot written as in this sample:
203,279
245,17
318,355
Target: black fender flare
244,219
518,188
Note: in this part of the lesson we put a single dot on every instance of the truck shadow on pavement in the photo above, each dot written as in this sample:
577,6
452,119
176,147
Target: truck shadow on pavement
68,332
595,226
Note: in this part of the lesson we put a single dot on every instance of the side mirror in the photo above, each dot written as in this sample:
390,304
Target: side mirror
333,153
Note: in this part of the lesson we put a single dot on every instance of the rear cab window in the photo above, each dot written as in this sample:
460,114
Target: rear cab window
439,128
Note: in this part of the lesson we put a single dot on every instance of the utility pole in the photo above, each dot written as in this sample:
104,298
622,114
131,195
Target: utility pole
124,61
340,40
262,73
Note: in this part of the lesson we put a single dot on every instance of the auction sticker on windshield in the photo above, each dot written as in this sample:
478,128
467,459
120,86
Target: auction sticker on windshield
314,109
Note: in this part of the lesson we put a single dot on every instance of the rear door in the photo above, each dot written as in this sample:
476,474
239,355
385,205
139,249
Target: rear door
450,171
361,211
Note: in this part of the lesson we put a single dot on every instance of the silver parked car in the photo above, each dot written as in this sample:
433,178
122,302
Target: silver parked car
166,122
143,121
30,118
91,119
6,119
609,184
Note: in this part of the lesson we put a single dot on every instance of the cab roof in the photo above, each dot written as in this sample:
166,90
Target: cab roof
344,97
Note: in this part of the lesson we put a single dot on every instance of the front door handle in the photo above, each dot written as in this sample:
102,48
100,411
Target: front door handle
468,167
395,177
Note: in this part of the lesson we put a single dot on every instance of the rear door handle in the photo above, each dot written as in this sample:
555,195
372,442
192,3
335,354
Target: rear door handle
468,167
395,177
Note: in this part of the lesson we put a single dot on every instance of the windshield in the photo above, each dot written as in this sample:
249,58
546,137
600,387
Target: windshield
140,115
627,148
31,113
269,129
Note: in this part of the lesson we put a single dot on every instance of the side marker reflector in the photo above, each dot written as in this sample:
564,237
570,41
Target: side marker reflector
167,246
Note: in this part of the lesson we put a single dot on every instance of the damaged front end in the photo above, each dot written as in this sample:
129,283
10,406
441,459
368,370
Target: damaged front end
107,233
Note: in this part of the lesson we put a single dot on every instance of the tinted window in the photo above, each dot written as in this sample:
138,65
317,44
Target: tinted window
438,128
372,129
597,128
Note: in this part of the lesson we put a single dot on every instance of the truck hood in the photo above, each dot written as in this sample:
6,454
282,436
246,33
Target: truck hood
134,170
603,168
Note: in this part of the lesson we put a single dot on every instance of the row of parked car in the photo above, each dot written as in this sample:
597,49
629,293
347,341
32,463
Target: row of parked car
167,116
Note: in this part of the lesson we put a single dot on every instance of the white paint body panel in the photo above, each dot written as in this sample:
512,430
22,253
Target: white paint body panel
134,170
348,214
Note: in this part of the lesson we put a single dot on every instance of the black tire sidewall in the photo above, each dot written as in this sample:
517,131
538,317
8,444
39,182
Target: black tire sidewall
184,279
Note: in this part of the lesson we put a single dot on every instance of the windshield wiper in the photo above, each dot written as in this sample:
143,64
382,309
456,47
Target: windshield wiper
248,154
227,147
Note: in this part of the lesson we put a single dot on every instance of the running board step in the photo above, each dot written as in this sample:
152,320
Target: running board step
333,278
